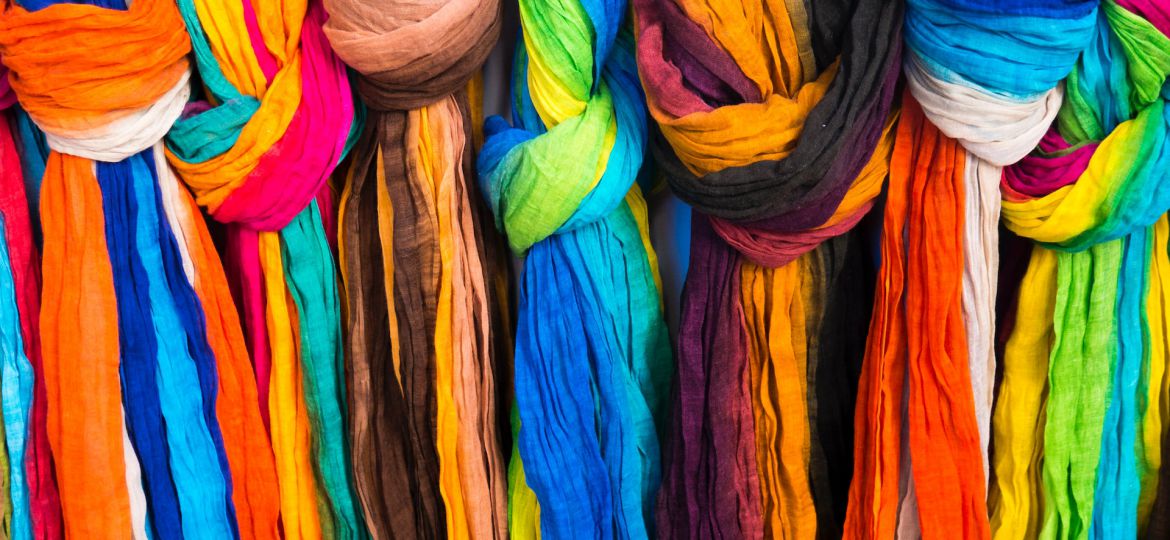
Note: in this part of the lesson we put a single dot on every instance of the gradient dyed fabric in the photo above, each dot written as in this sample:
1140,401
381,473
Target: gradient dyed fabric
985,74
592,360
276,119
425,274
1091,196
776,124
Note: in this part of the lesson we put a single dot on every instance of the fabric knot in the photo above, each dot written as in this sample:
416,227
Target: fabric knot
575,147
282,116
412,55
87,106
779,156
997,99
1076,191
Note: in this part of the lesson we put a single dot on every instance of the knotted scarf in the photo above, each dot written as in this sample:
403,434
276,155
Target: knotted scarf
136,307
986,74
35,508
1093,197
423,272
592,358
276,120
776,128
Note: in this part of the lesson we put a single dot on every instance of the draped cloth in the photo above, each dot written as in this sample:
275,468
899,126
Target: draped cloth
424,274
986,74
134,295
278,116
776,127
917,348
592,358
1092,197
36,511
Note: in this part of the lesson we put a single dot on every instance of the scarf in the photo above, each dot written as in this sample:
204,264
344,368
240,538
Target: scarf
1091,196
136,305
776,128
35,509
115,117
424,274
996,99
277,119
592,357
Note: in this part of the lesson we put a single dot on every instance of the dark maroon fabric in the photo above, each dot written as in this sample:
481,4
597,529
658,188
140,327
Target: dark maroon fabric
710,487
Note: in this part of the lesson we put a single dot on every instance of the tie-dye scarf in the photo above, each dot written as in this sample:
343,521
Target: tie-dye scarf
775,121
592,360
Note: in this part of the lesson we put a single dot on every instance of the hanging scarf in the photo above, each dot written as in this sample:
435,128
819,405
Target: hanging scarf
592,357
916,358
1093,193
422,278
35,509
986,75
257,154
133,301
776,128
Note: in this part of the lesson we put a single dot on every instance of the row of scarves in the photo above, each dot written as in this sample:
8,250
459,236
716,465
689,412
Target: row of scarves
1068,96
272,421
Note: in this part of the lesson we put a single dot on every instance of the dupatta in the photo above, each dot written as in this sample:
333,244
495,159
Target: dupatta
985,74
34,503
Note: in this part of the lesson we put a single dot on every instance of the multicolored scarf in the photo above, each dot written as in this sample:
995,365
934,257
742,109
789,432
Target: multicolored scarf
1092,198
592,353
985,75
278,118
130,311
776,126
426,276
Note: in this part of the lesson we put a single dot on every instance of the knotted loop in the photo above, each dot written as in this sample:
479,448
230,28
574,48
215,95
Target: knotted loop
412,55
281,118
779,153
1097,174
997,101
103,84
579,129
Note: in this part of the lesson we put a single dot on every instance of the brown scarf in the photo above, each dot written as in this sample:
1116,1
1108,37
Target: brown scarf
425,275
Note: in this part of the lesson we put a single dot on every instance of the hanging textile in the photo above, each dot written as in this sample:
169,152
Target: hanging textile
776,127
35,508
423,272
986,74
1091,196
916,362
592,359
135,302
277,118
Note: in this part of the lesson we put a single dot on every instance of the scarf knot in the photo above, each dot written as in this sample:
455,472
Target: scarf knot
412,55
579,128
1075,191
88,105
278,116
782,147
